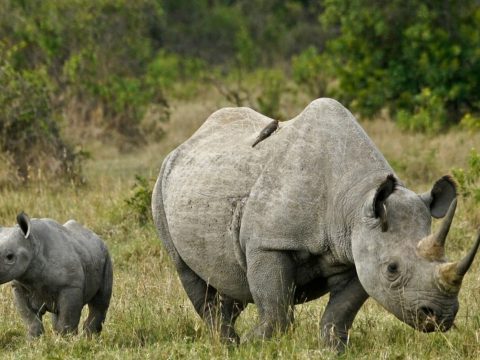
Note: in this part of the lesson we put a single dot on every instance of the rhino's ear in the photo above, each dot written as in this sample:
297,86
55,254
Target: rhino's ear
386,188
24,222
441,196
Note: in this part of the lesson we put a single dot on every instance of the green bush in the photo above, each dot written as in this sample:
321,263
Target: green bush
96,53
428,114
178,75
393,55
139,203
309,71
272,88
469,179
470,122
29,131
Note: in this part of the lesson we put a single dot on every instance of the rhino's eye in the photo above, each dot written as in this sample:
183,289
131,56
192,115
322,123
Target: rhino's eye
394,272
9,257
392,268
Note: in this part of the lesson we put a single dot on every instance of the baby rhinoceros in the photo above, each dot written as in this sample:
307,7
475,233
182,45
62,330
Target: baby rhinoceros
56,268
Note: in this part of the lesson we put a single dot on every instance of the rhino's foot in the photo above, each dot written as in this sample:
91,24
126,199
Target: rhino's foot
265,330
90,329
335,339
228,335
35,330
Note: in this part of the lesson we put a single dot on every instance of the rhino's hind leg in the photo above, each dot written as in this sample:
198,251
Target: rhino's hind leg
271,279
97,312
231,310
218,312
31,317
96,316
346,298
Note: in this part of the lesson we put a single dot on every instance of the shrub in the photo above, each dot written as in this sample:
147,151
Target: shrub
96,53
392,55
29,132
428,114
139,203
470,122
469,179
272,87
308,70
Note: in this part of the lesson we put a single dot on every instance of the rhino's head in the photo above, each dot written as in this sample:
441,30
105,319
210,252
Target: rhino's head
400,263
16,249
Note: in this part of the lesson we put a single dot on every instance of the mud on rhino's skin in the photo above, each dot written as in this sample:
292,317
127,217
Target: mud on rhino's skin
59,269
315,209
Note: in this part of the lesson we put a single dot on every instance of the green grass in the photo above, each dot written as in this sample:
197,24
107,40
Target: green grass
150,316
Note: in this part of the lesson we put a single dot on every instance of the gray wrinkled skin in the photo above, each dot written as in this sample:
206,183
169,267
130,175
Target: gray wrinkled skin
296,217
56,268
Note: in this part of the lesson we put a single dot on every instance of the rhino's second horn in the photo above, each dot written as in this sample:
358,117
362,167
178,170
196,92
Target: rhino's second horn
433,246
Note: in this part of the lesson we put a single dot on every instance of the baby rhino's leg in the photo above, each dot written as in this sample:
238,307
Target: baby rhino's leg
69,309
97,311
31,317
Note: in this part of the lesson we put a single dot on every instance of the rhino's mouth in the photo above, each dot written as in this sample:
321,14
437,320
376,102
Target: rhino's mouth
5,277
429,320
431,325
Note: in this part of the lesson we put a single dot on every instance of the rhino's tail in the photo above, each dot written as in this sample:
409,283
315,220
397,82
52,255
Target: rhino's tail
159,217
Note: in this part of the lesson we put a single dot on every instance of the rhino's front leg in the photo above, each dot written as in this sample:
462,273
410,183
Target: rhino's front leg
346,298
271,279
31,317
68,311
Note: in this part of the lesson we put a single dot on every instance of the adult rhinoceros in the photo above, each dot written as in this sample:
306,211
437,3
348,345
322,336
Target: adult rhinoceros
313,209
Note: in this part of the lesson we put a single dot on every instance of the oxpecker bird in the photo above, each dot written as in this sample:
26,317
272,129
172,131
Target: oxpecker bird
266,132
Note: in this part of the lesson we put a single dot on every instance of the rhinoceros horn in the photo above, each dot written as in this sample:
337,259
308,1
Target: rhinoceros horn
433,246
450,275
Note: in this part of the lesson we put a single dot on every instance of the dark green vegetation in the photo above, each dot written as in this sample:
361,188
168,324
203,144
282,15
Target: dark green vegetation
93,94
109,70
418,58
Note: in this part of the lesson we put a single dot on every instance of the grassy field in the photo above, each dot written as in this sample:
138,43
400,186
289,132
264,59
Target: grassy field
150,316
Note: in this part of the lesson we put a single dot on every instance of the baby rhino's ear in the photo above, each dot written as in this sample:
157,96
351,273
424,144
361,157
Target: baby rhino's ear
24,222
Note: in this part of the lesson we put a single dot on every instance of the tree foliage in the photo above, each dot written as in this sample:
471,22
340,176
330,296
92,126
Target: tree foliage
29,133
111,68
96,52
420,59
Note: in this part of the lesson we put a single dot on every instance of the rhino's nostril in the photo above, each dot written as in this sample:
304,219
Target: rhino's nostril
10,257
427,311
